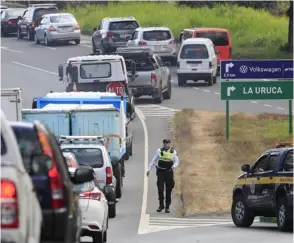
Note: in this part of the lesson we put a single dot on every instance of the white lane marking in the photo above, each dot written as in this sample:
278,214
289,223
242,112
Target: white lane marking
216,93
280,108
144,217
34,68
267,105
254,102
50,48
87,46
8,49
206,90
196,88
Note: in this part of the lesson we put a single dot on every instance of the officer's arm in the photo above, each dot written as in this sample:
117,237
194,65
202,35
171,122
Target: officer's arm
154,160
176,160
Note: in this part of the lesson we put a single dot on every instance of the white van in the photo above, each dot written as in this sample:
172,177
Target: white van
197,60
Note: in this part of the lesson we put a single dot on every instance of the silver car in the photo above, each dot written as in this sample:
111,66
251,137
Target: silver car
58,27
159,39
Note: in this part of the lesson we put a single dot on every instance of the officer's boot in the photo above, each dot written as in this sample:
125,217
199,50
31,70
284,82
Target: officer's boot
161,207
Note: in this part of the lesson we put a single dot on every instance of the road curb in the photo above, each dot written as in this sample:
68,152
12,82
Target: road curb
268,219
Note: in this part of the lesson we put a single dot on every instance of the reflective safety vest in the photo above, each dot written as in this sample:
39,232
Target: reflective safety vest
165,159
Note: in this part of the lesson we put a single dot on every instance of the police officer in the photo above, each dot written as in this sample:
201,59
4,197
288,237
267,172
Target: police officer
167,159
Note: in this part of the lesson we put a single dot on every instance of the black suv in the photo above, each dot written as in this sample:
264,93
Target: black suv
113,33
53,184
31,17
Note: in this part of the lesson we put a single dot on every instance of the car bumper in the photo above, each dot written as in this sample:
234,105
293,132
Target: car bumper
204,75
57,36
143,90
9,28
112,46
12,236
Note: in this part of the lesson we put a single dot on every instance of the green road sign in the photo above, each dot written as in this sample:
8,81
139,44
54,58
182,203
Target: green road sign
257,90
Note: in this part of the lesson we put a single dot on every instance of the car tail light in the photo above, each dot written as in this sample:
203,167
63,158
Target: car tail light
91,195
9,207
78,27
56,182
109,34
108,171
33,24
172,42
142,43
230,53
51,28
153,78
10,22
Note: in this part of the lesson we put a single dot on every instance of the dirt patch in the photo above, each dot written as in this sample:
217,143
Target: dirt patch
209,165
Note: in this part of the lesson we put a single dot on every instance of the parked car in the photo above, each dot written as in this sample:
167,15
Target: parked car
9,19
71,160
90,150
21,215
152,76
159,39
59,202
113,33
94,208
57,27
31,17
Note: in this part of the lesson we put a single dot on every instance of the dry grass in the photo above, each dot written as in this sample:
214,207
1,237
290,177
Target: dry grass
209,165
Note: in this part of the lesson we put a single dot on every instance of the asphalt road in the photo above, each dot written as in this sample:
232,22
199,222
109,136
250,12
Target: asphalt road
34,69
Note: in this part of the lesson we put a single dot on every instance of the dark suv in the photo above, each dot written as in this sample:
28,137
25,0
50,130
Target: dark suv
54,186
31,17
113,33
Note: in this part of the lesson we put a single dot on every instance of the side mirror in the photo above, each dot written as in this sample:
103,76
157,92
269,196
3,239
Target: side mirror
83,175
60,72
133,68
40,164
168,64
245,168
94,29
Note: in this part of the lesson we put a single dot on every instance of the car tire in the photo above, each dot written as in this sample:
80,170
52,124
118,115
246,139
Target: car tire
241,214
105,236
167,94
37,42
19,35
158,98
214,79
181,81
97,237
284,222
112,211
77,42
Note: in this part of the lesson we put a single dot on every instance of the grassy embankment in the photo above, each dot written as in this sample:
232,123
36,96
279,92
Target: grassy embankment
210,164
255,34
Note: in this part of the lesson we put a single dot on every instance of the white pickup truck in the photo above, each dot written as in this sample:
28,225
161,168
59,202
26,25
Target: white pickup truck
21,215
11,103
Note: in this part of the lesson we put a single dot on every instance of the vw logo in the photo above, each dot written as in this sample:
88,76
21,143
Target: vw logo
243,69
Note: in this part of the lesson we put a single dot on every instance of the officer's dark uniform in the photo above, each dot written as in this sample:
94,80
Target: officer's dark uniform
167,160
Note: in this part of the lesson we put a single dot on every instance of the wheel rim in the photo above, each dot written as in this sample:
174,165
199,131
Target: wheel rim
282,214
239,210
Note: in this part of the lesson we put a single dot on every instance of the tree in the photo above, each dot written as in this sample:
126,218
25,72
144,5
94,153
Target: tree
290,27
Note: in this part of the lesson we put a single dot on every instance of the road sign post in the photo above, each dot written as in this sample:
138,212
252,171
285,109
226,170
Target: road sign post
227,119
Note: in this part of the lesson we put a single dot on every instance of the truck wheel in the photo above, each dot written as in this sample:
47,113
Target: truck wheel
167,94
158,98
112,211
181,81
241,214
284,221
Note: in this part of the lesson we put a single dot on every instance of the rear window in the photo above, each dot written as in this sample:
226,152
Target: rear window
28,144
62,19
89,156
194,51
157,35
41,11
123,25
14,13
3,146
218,38
143,63
97,70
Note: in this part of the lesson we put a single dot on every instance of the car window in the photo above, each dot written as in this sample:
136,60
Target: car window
273,162
85,187
143,63
25,14
157,35
41,11
14,13
194,51
135,35
97,70
288,162
218,38
3,146
187,35
261,164
123,25
62,19
89,156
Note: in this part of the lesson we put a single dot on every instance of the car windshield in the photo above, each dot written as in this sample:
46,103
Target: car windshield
194,51
89,156
14,13
218,38
62,19
157,35
97,70
143,63
41,11
123,25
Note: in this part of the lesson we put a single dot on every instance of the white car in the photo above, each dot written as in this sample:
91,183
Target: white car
21,215
91,151
94,208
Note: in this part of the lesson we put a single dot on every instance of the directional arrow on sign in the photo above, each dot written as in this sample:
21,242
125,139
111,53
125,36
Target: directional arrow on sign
230,89
228,66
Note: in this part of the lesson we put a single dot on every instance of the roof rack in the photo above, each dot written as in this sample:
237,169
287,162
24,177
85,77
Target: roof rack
81,139
283,144
134,50
42,5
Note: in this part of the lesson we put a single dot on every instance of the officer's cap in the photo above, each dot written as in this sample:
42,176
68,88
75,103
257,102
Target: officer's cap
166,140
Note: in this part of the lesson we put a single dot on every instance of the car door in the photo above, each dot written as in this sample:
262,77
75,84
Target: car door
163,70
253,182
23,21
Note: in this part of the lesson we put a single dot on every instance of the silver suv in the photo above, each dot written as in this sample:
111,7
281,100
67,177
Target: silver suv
113,33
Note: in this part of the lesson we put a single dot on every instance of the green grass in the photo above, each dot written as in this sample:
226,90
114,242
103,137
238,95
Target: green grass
255,34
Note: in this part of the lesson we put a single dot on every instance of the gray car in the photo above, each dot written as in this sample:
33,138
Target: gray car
152,76
59,27
113,33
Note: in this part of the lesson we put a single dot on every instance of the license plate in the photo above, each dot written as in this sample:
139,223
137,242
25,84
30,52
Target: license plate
157,48
194,65
65,29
